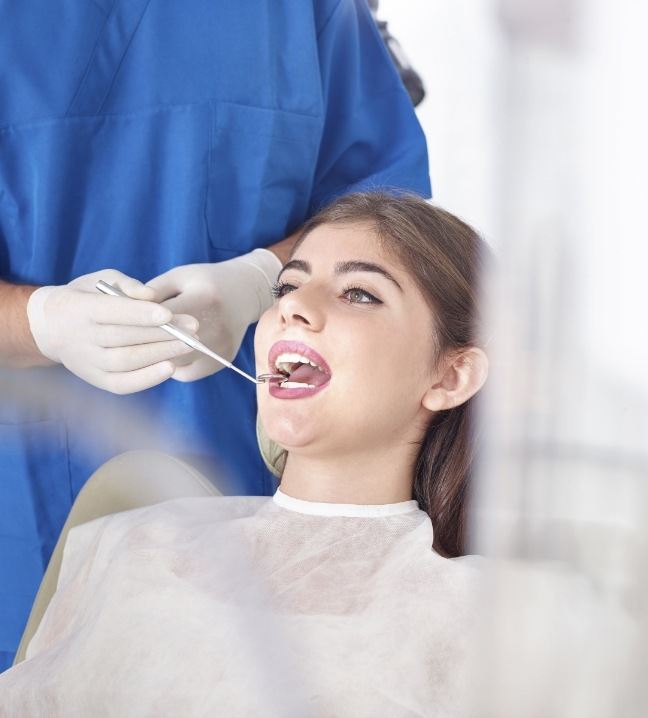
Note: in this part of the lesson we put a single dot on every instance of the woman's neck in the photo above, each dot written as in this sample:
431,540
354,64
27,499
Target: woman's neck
373,478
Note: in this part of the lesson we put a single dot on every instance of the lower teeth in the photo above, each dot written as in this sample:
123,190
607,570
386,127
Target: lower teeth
295,385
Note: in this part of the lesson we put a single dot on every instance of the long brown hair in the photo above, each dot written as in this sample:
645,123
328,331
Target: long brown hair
446,258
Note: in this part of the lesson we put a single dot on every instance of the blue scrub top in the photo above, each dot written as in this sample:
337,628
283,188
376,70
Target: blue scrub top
141,135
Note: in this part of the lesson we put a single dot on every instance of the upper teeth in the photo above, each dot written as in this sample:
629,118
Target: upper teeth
285,361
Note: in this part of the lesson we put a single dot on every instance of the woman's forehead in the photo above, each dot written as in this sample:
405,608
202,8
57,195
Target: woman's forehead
329,243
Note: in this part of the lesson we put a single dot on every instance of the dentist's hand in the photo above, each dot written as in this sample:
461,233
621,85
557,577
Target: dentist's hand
225,297
114,343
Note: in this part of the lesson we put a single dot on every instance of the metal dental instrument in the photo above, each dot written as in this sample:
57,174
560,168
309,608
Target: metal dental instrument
192,341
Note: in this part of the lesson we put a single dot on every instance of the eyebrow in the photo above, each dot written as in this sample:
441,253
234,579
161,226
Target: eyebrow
343,268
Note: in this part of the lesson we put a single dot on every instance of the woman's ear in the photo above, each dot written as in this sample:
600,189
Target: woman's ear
464,375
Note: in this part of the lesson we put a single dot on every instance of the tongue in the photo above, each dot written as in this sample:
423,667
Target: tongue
307,374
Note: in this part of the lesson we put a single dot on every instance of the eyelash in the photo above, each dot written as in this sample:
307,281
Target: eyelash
279,286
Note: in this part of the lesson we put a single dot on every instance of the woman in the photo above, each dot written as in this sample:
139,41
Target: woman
335,597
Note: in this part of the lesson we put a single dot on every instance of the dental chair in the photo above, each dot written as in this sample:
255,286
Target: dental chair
128,481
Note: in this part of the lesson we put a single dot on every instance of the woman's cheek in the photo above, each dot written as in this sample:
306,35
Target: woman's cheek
262,340
360,375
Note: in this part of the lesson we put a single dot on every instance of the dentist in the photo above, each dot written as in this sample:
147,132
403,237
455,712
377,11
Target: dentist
173,149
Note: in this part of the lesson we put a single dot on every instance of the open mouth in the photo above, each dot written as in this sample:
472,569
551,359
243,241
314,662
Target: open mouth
302,367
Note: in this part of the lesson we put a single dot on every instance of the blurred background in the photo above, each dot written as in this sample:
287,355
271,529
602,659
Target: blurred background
456,47
535,115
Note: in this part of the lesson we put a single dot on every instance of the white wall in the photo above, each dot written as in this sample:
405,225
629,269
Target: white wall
455,45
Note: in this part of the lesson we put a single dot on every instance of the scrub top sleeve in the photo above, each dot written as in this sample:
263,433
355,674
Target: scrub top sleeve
371,139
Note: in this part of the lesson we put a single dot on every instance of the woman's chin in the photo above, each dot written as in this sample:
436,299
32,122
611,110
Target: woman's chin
291,433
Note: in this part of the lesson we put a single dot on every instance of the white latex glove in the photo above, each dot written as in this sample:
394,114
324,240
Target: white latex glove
225,297
113,343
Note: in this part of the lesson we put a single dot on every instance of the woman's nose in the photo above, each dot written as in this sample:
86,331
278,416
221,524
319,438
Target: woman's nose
302,307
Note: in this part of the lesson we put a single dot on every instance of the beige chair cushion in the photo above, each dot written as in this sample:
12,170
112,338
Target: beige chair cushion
130,480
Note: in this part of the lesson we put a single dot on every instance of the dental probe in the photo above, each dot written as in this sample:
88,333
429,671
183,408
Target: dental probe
191,341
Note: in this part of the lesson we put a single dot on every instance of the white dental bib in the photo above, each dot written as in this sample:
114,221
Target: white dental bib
249,606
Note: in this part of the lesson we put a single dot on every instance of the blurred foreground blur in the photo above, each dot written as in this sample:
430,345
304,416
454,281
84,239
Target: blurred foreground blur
562,499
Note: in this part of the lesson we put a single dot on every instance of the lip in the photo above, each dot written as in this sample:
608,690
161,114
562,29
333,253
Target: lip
298,348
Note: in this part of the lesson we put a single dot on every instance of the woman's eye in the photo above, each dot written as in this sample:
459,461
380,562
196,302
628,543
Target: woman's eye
281,288
355,295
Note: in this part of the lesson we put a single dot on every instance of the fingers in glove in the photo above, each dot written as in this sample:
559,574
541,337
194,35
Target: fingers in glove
126,359
164,287
201,367
115,335
129,285
131,381
121,310
187,359
134,288
182,304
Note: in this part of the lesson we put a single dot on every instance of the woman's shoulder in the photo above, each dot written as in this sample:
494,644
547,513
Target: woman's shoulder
160,523
469,565
472,564
193,509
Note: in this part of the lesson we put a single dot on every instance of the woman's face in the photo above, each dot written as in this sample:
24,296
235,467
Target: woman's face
350,308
